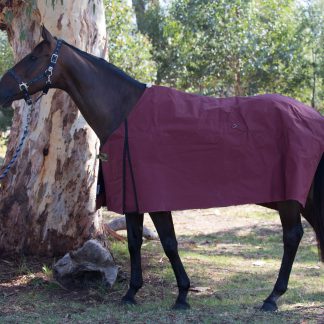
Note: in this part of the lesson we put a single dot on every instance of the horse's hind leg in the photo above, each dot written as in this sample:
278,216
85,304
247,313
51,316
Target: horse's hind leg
164,226
289,212
134,223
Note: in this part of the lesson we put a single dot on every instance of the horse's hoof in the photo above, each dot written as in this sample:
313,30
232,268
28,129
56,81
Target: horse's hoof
128,301
269,307
181,306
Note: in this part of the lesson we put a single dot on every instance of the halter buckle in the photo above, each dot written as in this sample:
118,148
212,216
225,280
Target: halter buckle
103,157
54,58
49,73
23,87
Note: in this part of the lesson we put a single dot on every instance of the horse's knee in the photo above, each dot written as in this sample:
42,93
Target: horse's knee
134,224
134,244
292,237
170,246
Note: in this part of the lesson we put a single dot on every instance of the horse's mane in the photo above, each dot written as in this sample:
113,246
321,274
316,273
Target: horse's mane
105,64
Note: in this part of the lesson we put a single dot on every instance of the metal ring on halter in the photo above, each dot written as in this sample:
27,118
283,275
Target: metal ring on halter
23,86
49,73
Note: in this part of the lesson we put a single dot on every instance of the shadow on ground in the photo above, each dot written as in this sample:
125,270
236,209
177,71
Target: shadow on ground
229,283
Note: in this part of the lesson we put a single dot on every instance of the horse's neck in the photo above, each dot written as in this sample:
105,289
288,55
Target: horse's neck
103,97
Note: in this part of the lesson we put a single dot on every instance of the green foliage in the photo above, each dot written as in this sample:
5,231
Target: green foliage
6,115
239,47
6,55
222,48
312,33
128,48
6,61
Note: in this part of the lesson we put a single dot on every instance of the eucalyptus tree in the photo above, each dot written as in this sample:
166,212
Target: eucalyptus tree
47,200
128,48
312,33
232,48
239,47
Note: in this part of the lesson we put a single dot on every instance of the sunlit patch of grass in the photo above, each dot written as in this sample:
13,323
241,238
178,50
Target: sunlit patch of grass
47,270
119,248
250,211
236,268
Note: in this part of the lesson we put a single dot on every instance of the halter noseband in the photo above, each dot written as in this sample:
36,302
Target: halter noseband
23,86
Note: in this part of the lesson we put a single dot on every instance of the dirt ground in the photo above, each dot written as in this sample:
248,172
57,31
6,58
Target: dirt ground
232,256
208,221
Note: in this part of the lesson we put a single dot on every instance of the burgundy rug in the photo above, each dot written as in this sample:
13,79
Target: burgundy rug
182,151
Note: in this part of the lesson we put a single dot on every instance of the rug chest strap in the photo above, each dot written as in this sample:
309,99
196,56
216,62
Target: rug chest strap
127,159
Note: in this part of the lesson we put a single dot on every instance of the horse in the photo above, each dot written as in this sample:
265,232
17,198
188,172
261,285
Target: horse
106,96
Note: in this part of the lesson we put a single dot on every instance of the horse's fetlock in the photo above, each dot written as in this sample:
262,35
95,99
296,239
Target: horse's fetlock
279,290
136,286
269,306
184,286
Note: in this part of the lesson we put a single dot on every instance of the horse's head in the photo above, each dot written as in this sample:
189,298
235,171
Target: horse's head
35,72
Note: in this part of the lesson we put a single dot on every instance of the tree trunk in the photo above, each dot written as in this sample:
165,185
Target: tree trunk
139,8
47,201
313,100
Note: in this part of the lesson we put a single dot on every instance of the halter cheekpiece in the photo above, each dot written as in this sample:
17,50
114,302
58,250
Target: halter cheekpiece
23,86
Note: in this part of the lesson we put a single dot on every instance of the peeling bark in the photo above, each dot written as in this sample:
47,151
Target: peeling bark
47,201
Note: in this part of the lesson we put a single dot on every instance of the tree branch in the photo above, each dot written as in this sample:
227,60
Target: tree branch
119,224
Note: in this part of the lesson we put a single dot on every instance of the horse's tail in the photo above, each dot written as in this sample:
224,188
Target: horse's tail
314,210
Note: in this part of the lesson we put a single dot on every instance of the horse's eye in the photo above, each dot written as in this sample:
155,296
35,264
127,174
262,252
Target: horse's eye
33,58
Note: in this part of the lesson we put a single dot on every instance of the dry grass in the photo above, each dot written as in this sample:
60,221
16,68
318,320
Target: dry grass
232,256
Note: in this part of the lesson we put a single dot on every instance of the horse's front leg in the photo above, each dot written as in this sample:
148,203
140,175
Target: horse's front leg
289,212
134,223
164,226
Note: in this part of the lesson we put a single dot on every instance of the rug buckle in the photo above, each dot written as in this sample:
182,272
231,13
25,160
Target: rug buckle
103,157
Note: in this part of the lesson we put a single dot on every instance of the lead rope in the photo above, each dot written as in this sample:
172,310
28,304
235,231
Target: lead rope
21,143
23,86
18,149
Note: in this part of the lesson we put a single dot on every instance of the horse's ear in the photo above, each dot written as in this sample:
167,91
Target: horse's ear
47,36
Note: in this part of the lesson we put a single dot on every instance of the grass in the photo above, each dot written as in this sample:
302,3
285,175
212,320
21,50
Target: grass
3,149
232,268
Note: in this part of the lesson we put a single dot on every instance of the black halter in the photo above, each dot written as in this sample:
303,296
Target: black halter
23,86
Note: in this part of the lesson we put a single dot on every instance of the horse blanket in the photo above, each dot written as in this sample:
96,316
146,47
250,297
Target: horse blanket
180,151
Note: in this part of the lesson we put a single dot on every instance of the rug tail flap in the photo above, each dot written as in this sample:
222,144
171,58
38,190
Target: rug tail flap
101,193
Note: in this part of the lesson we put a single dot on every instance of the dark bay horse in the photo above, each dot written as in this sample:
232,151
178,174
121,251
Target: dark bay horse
105,96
